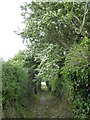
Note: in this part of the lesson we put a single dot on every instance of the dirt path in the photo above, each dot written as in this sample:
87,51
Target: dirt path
48,106
42,106
45,105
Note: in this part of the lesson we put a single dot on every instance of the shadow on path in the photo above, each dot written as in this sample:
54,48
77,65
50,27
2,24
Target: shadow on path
42,106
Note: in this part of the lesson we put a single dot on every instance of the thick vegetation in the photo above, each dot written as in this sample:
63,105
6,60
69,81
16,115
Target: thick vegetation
16,82
75,72
57,37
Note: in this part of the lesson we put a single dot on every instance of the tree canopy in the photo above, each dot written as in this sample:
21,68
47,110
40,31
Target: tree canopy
59,36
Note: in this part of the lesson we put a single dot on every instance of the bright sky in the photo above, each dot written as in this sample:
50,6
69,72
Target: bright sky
43,83
10,19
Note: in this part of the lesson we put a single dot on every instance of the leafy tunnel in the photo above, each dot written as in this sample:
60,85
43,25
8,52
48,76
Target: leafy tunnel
58,40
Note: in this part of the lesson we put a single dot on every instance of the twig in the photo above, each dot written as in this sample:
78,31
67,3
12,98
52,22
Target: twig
85,12
77,19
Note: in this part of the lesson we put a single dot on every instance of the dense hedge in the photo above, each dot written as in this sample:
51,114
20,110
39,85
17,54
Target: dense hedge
14,83
75,72
15,80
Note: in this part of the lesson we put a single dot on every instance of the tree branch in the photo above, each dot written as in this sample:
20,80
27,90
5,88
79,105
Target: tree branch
85,12
72,6
77,19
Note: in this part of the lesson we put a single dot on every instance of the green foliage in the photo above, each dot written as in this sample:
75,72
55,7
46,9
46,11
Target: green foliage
19,83
57,34
54,22
0,88
76,72
15,81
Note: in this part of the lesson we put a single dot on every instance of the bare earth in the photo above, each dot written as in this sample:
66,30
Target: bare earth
42,106
49,106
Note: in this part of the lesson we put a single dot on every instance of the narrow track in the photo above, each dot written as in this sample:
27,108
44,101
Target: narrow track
42,106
